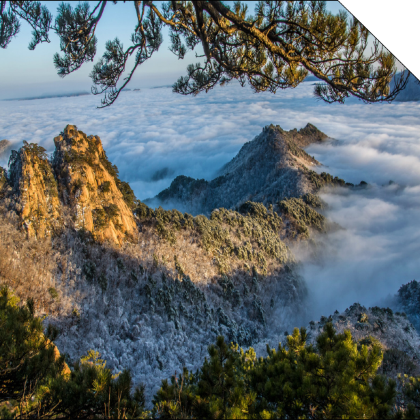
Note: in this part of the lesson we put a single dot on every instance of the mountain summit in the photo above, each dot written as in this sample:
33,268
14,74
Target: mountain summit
79,182
268,169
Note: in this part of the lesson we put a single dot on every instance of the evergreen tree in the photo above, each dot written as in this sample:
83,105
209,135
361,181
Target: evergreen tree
90,391
217,390
276,48
27,356
336,378
36,382
410,396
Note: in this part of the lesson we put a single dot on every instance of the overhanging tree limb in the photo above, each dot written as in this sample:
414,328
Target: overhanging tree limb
275,49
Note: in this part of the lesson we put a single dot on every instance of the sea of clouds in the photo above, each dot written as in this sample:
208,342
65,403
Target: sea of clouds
154,135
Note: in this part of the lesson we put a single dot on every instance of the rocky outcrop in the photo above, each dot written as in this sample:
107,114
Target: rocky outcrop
88,184
268,169
34,189
3,179
408,299
79,188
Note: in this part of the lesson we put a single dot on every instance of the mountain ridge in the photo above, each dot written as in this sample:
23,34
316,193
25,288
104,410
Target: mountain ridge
270,168
153,299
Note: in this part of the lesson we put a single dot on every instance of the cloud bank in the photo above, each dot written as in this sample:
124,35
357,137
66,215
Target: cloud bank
154,135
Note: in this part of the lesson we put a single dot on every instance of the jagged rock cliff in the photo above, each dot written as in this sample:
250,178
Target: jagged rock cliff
3,179
79,188
35,190
267,169
88,184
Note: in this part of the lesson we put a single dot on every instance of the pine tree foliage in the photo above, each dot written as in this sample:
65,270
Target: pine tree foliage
26,354
410,396
276,48
38,17
91,390
36,383
335,378
332,379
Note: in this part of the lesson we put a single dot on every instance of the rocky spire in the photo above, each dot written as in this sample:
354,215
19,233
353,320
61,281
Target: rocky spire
268,169
34,190
80,186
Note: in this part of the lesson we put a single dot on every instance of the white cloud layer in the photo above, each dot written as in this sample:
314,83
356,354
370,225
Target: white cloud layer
156,135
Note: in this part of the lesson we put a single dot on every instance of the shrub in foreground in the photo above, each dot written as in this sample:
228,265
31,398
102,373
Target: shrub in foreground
333,379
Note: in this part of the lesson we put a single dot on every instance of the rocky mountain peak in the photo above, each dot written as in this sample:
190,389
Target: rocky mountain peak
73,141
80,187
89,185
270,168
34,190
308,135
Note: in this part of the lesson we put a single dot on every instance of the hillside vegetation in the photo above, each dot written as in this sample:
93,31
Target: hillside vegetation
149,289
36,382
146,288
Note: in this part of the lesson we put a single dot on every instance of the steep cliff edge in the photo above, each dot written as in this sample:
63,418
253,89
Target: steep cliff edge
34,189
79,188
268,169
88,184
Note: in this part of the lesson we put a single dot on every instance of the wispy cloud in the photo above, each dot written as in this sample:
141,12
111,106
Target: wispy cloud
373,255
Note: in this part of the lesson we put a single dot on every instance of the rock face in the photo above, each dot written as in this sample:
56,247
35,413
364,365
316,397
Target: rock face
408,299
267,169
4,147
35,190
80,183
88,185
3,179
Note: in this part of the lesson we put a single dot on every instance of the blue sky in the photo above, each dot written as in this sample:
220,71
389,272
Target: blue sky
27,73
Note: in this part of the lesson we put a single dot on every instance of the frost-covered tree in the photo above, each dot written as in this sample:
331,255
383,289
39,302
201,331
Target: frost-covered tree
275,48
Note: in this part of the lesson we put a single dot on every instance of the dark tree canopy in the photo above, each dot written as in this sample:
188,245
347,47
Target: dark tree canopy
336,378
276,48
35,381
